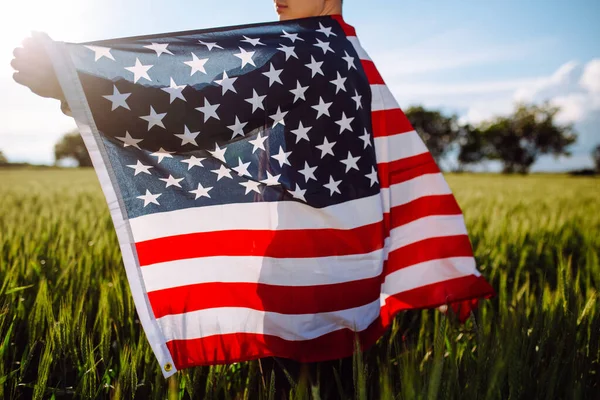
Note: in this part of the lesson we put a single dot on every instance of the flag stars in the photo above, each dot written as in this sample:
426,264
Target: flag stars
242,168
193,162
129,141
154,119
333,186
139,71
325,31
188,137
171,181
258,143
237,128
175,91
209,110
278,117
253,42
301,132
161,154
315,67
256,101
219,153
210,45
118,99
100,52
357,99
222,172
292,36
140,168
324,46
339,83
246,57
322,108
201,191
271,180
373,177
351,162
308,172
159,48
289,51
282,157
366,138
298,193
150,198
350,60
326,148
226,83
251,186
273,75
299,92
344,123
196,65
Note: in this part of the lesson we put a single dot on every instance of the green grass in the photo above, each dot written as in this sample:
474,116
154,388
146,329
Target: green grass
68,326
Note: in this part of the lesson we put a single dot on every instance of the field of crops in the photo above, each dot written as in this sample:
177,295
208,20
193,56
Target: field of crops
68,326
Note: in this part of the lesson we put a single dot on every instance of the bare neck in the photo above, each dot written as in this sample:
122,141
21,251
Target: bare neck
332,8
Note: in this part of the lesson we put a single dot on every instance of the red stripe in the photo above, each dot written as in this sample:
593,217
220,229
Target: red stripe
424,207
263,297
305,243
390,122
348,30
406,169
372,73
428,250
437,294
237,347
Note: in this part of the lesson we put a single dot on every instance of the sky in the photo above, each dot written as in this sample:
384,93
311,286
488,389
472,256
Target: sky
472,58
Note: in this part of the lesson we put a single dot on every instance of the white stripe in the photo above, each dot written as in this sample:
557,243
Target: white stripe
359,49
428,273
272,271
382,98
226,320
397,147
422,186
425,228
257,216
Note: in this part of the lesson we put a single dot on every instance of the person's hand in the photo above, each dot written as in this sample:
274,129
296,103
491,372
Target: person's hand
35,70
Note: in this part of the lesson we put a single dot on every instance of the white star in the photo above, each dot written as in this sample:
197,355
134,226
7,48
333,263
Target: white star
282,157
170,181
222,172
344,123
289,51
246,57
118,99
162,154
258,143
100,52
159,48
256,101
333,186
154,119
308,172
193,162
227,83
201,191
373,176
322,108
209,110
299,92
357,99
175,91
251,186
350,61
298,193
237,127
139,71
197,64
150,198
253,42
326,31
315,67
324,46
187,136
210,45
271,180
351,162
139,168
326,148
292,36
218,153
339,83
278,117
129,141
273,75
366,138
242,168
301,132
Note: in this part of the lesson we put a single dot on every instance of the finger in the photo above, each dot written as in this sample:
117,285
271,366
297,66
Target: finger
29,42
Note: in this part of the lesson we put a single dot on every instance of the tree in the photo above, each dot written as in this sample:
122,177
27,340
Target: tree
519,139
437,131
596,157
71,146
3,159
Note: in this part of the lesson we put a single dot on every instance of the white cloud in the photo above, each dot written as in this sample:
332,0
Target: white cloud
591,76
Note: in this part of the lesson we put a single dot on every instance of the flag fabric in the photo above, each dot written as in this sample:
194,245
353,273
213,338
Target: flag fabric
269,195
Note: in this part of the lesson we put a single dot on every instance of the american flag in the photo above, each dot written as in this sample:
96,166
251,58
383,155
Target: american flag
269,195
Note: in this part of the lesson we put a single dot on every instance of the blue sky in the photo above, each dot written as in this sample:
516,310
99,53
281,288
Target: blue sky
470,57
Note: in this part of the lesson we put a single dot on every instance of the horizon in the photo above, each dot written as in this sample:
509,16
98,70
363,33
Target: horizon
462,60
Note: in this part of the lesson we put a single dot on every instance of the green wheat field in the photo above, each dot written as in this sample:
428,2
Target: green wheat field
68,326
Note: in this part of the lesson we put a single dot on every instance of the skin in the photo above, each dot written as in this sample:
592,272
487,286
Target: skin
293,9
